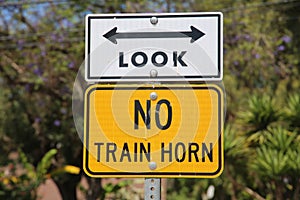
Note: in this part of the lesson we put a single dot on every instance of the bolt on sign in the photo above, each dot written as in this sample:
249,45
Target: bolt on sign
153,131
126,47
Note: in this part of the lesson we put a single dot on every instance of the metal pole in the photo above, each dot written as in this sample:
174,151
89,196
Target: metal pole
152,188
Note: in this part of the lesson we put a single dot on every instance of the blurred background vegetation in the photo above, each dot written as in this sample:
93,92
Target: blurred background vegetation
42,47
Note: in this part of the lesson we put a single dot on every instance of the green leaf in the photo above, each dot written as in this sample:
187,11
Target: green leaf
292,112
269,162
294,161
281,139
234,144
45,163
260,113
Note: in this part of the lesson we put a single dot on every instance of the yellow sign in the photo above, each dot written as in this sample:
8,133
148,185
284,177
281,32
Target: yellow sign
153,131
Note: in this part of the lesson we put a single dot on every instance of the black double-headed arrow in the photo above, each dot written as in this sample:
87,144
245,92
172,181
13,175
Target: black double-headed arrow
113,35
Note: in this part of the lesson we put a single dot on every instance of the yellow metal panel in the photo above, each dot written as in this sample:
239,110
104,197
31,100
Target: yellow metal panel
183,138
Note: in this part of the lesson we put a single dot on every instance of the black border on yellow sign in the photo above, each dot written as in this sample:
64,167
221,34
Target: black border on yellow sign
91,173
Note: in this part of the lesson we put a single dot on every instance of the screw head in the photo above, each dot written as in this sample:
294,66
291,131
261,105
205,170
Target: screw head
152,165
153,20
153,96
153,73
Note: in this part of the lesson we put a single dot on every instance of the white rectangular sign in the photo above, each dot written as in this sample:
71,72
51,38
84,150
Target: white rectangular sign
154,47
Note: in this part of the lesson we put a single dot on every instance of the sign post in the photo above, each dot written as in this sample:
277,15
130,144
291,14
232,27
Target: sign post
152,188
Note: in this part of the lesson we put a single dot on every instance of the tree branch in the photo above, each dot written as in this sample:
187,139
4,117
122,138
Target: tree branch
248,190
14,65
5,23
25,21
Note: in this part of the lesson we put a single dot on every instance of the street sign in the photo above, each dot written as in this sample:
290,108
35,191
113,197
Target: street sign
153,131
154,47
